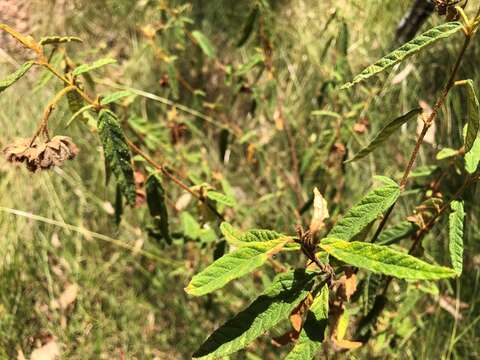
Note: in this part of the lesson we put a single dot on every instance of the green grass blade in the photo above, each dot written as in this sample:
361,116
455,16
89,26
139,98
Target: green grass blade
313,331
82,69
417,44
274,305
234,265
455,232
204,43
366,211
384,260
384,134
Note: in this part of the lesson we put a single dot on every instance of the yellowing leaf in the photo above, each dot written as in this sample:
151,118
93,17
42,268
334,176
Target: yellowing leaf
275,304
234,265
384,260
320,212
455,226
55,40
413,46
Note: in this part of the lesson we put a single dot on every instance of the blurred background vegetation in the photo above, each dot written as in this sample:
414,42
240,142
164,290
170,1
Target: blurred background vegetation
261,120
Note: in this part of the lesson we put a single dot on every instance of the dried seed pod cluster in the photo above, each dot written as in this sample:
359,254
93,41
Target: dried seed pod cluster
41,155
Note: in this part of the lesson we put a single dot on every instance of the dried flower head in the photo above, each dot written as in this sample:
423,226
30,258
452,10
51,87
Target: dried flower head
41,155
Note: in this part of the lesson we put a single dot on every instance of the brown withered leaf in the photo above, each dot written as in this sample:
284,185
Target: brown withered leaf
41,155
320,212
296,316
286,338
347,285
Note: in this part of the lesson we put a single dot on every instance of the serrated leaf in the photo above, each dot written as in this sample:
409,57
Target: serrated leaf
156,205
455,231
385,133
257,235
82,69
313,331
231,234
204,43
17,75
396,233
234,265
419,43
446,153
384,260
55,40
117,153
115,96
366,211
221,198
473,116
275,304
248,26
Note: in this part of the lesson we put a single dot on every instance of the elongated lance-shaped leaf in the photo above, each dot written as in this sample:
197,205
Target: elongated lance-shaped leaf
472,158
117,154
115,96
384,260
473,116
366,211
221,198
396,233
156,205
204,43
385,133
275,304
82,69
55,40
313,331
258,235
236,264
13,78
455,227
413,46
248,26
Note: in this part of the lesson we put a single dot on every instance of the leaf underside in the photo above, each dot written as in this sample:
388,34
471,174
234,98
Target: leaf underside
275,304
384,134
455,227
156,205
413,46
384,260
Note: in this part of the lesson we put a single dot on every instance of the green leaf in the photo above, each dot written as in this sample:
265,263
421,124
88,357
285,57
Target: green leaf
78,113
396,233
115,96
75,102
204,43
255,60
156,205
455,227
313,331
385,133
82,69
446,153
117,153
221,198
172,80
384,260
13,78
234,265
473,116
248,27
231,234
191,227
274,305
472,158
366,211
55,40
413,46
